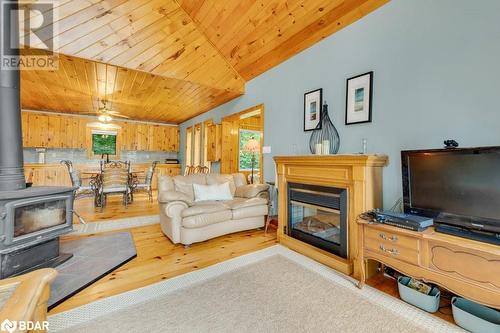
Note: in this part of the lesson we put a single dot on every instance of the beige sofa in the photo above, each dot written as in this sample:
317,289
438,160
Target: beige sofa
186,221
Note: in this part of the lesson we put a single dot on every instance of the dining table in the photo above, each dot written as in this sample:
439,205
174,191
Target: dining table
97,172
93,176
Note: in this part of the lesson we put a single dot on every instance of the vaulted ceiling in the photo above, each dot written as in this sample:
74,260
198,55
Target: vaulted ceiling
170,60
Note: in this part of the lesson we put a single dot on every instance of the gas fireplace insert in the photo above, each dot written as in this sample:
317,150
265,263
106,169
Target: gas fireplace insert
317,215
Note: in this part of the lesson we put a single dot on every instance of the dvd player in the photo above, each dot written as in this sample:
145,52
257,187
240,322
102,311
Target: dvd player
402,220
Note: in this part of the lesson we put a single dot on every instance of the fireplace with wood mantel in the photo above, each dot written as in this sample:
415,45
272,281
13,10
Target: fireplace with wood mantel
320,197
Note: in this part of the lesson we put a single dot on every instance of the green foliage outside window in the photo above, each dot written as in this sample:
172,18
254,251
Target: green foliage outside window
245,160
104,144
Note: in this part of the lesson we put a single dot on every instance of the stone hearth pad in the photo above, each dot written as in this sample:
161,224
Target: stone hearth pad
93,258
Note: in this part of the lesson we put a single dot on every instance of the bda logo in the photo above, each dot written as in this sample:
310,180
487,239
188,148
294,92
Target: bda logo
9,326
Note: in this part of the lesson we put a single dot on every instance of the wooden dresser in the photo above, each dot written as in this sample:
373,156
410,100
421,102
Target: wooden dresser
360,175
465,267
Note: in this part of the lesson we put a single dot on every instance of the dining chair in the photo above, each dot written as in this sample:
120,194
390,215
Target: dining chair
146,185
189,170
115,179
81,191
201,169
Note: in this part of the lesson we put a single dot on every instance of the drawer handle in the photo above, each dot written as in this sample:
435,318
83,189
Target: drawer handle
393,238
391,251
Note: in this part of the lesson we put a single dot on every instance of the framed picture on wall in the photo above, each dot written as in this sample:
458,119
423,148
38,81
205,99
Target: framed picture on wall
312,109
359,99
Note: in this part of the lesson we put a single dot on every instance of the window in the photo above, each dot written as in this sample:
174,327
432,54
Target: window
189,144
103,142
245,156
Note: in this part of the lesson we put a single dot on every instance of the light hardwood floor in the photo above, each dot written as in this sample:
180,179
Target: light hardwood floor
390,286
158,259
114,208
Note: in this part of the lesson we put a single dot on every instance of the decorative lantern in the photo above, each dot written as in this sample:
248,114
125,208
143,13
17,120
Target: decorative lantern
325,138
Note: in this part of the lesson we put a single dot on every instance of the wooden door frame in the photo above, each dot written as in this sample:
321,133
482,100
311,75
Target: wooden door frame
236,116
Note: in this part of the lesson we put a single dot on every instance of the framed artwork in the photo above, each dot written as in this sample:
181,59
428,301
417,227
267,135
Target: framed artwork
358,103
313,101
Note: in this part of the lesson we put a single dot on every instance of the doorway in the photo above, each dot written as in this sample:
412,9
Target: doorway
242,139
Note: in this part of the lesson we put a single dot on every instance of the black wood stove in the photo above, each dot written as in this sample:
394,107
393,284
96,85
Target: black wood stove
31,218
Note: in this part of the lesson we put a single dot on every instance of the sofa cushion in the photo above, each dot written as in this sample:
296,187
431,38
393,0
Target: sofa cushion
212,192
201,220
239,179
253,211
165,183
184,184
216,178
204,207
238,203
168,196
250,190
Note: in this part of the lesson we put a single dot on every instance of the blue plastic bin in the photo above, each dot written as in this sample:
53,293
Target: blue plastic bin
429,303
475,317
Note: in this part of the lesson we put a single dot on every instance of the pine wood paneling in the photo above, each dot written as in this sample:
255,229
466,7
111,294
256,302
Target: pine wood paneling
170,60
257,35
214,142
159,38
60,131
78,83
25,128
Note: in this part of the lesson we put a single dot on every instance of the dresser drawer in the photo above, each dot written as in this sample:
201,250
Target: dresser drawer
392,250
392,238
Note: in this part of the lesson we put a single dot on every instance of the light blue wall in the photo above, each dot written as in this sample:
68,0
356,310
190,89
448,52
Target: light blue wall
436,70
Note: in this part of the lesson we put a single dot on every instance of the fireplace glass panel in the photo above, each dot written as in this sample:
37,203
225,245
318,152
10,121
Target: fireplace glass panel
316,221
317,216
38,216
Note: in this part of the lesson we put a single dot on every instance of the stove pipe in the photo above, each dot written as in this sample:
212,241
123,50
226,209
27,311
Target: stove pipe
11,141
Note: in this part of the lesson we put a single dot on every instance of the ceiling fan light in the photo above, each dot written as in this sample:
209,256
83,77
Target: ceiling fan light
102,118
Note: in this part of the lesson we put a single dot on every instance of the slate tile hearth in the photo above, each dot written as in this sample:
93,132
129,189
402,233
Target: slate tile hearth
93,257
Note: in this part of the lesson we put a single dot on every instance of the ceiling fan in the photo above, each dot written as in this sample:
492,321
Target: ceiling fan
104,112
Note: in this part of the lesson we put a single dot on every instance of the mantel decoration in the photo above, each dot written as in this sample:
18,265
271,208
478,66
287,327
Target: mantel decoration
324,139
358,107
312,113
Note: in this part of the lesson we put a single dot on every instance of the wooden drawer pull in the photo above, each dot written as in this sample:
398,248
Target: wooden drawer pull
391,251
393,238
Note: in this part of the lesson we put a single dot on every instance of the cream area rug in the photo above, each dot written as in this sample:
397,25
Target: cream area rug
272,290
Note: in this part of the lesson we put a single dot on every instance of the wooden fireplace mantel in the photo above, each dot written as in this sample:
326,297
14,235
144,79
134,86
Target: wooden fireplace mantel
360,174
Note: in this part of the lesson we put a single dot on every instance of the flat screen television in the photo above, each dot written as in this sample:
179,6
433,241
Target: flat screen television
458,187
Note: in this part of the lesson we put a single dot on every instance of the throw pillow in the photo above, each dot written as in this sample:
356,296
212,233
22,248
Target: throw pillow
212,192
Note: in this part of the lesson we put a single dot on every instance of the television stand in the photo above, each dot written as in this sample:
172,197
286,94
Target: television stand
466,267
491,238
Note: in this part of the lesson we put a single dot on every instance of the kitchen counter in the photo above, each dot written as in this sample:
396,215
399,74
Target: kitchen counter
55,174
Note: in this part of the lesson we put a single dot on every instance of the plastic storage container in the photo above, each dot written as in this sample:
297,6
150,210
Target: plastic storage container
475,317
429,303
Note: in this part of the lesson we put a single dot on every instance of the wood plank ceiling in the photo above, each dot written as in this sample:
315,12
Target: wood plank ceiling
170,60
